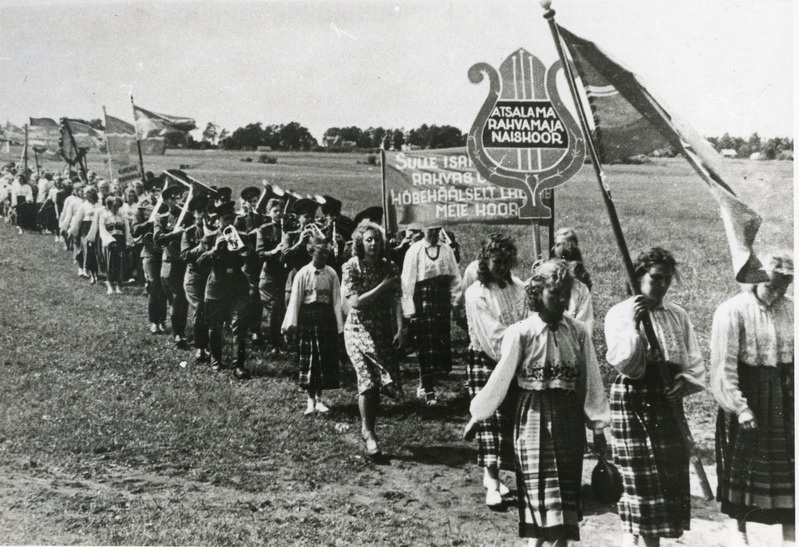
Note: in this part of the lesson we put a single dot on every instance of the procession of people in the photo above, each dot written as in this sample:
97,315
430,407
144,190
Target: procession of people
287,274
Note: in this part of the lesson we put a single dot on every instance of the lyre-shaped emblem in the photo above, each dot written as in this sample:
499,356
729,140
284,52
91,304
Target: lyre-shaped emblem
524,137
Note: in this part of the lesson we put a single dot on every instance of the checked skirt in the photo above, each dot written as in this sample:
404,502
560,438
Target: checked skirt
756,468
432,326
549,439
318,347
494,434
651,457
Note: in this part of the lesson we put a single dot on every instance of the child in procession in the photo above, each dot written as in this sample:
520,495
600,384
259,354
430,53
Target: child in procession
314,315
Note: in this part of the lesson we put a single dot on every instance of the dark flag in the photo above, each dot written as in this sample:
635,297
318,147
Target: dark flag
630,121
151,124
44,134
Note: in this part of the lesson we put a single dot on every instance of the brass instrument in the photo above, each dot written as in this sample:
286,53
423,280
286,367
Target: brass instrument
231,236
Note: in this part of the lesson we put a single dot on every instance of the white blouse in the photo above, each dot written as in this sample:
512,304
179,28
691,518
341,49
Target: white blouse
418,266
314,286
491,310
580,305
746,330
627,344
540,358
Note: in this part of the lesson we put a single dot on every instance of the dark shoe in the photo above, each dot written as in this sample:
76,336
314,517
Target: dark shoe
241,374
201,356
216,366
181,343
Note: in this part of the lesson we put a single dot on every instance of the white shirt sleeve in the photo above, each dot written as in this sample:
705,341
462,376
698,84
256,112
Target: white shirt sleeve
488,399
724,351
626,345
596,406
410,268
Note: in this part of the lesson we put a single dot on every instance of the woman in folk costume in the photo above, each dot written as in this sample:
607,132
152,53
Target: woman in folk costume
647,444
431,288
493,303
115,234
314,313
567,247
752,378
81,230
370,286
71,203
552,358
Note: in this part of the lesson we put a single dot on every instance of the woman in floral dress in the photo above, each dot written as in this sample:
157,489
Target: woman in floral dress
371,291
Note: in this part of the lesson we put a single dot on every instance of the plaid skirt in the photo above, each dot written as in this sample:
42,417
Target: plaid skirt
549,438
494,434
432,326
756,468
318,347
651,457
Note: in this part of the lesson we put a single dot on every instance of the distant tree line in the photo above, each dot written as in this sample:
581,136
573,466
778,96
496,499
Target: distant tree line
774,148
293,136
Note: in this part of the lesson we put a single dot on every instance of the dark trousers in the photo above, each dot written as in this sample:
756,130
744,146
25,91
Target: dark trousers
274,308
156,297
255,310
217,312
172,279
195,296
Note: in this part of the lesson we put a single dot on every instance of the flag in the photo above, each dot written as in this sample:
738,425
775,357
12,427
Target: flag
120,136
630,121
14,134
43,134
43,122
77,138
151,124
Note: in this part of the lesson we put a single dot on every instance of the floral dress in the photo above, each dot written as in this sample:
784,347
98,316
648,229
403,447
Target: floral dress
368,332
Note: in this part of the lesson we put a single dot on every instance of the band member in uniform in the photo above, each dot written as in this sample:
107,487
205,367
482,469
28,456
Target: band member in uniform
272,282
192,245
226,291
295,253
431,289
167,235
248,223
151,254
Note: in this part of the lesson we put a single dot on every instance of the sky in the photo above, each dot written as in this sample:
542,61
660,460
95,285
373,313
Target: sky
722,65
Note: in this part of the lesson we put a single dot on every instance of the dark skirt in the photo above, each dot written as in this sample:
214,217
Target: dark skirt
549,437
89,248
652,458
432,300
113,258
494,434
318,347
756,468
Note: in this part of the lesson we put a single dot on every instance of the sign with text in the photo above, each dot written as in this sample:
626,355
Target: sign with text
443,187
524,138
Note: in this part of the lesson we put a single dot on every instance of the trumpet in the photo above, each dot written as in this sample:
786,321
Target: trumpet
231,236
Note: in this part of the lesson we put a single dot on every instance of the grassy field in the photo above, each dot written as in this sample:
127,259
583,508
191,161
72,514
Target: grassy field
106,439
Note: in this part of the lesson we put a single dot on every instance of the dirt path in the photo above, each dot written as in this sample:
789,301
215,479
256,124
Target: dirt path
440,503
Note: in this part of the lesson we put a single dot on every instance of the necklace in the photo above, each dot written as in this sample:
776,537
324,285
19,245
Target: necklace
427,252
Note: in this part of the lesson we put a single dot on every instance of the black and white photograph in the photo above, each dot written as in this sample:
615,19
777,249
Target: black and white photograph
397,272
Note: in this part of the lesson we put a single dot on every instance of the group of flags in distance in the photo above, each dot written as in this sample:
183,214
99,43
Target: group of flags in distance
72,139
627,121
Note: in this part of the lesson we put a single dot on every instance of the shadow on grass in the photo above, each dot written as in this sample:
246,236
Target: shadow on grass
448,455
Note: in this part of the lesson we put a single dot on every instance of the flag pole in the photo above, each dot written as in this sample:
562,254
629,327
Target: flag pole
138,142
551,222
65,123
108,145
25,153
386,252
646,321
